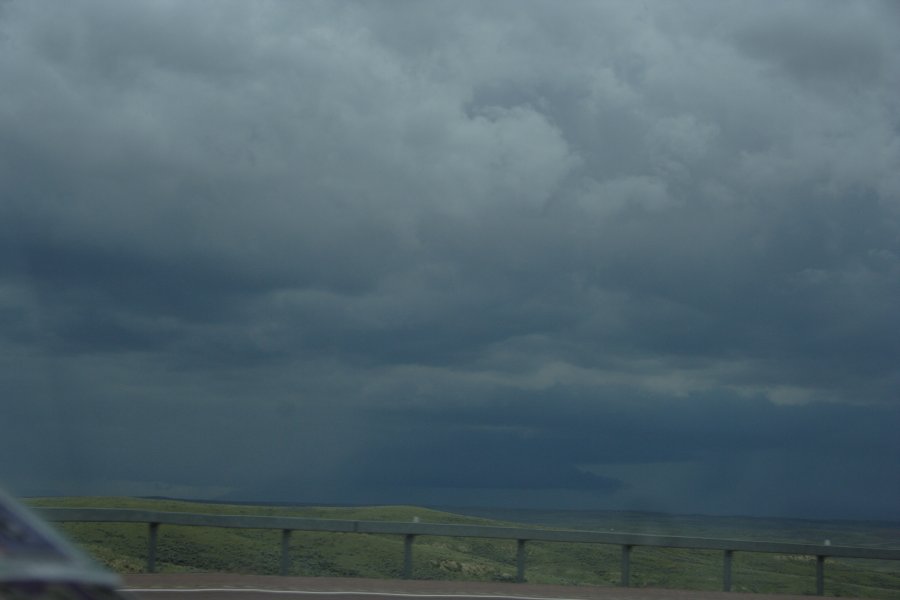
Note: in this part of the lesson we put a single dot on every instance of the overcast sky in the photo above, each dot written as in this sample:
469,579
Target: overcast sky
607,255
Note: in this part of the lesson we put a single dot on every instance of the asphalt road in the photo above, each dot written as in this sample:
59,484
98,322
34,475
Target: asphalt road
220,586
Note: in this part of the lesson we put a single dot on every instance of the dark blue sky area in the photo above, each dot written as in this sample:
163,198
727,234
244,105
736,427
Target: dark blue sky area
598,255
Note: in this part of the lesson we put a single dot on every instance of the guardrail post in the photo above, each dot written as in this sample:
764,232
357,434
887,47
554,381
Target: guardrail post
520,561
726,570
407,555
285,551
151,547
626,565
820,575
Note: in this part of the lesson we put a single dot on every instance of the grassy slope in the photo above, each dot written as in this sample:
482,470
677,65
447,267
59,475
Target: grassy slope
123,548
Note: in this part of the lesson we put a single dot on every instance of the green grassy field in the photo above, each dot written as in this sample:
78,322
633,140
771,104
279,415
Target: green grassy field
123,548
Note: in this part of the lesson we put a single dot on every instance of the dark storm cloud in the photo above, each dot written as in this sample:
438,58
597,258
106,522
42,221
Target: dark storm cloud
818,50
616,254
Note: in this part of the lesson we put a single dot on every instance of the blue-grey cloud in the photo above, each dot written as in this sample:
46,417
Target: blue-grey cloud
627,254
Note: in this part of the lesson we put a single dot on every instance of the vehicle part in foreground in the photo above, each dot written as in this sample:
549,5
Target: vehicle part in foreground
36,562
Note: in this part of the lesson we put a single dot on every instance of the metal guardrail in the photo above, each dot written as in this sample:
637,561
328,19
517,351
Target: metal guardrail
410,531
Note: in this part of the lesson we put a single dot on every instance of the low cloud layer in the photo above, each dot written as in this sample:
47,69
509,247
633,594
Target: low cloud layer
605,255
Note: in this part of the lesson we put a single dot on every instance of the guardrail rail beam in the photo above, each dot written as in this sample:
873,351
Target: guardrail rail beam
409,531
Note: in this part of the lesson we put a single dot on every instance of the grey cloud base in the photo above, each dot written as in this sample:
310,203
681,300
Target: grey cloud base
600,255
